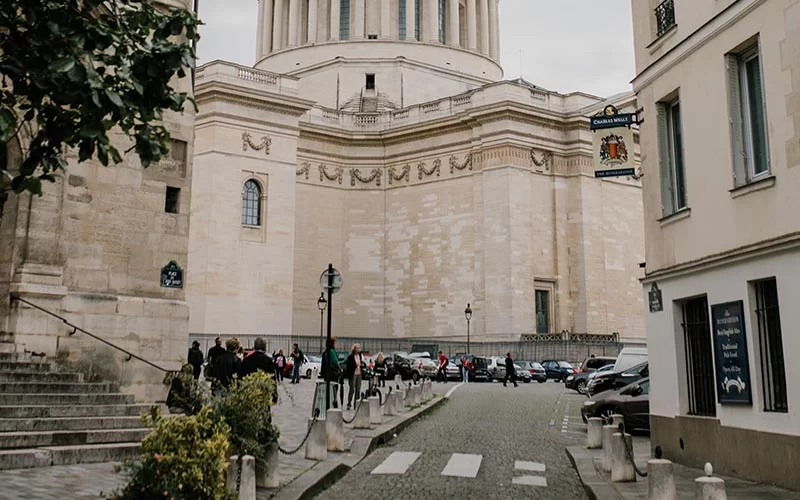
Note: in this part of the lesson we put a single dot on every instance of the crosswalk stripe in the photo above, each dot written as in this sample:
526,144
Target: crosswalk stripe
530,481
529,466
397,463
463,465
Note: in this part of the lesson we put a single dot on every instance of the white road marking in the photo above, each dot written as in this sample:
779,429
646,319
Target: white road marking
447,396
463,465
530,481
397,463
529,466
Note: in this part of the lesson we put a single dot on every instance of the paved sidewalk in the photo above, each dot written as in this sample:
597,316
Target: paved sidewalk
599,483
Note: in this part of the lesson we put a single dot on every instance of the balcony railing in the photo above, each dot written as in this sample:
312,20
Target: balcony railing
665,17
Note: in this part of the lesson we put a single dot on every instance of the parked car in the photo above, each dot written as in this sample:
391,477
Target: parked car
453,368
309,364
523,375
579,381
427,365
497,367
631,401
480,370
557,370
400,363
536,370
615,380
630,357
594,363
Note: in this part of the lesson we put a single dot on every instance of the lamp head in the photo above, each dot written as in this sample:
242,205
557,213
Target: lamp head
468,312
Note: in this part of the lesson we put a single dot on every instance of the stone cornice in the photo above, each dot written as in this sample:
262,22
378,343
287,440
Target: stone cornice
211,92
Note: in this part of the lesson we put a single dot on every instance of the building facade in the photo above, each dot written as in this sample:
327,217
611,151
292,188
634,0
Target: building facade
719,84
400,156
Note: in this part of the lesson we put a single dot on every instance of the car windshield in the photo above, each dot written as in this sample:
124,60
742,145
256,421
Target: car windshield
537,366
517,367
564,364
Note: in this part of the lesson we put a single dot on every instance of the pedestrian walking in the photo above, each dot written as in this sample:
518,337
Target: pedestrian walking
353,369
380,369
280,362
441,374
298,358
256,361
464,369
511,372
195,358
331,371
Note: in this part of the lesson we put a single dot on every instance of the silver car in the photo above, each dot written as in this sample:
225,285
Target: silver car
427,366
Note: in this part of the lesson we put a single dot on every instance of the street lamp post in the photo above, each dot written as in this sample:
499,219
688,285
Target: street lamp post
322,304
468,315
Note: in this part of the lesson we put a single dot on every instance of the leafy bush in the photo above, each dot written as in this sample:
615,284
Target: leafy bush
186,394
247,410
183,458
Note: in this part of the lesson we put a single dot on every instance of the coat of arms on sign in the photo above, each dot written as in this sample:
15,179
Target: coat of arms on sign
613,150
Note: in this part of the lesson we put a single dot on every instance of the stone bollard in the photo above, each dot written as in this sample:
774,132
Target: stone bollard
709,487
428,390
334,428
247,485
594,433
608,431
267,473
417,395
398,381
400,402
374,410
660,481
317,444
388,406
617,419
361,420
622,470
314,374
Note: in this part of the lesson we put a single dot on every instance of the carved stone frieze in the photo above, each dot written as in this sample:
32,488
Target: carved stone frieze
455,165
422,170
374,175
337,175
404,174
305,168
544,159
247,140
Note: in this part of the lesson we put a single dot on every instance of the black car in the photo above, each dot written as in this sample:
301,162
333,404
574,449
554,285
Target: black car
632,402
616,380
558,370
479,367
579,381
407,368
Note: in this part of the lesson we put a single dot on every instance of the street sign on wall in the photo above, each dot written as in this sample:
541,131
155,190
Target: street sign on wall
654,296
731,357
172,275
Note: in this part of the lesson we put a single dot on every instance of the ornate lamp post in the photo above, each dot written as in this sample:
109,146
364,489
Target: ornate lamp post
322,303
468,315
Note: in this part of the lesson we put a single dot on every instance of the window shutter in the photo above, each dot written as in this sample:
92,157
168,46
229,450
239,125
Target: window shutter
667,194
738,151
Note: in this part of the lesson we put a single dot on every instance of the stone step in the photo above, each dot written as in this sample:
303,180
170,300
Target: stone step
65,399
43,411
65,455
68,424
9,440
19,356
10,347
57,387
25,366
39,376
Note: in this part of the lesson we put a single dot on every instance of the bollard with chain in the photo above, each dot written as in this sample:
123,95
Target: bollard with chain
308,433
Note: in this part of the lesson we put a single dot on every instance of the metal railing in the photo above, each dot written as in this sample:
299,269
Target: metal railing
76,329
665,17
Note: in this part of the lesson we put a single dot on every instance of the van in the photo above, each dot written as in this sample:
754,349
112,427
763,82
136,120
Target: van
630,357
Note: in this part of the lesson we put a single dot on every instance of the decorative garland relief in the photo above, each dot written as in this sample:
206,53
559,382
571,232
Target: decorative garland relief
247,140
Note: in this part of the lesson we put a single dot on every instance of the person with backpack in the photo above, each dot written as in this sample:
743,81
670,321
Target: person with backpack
297,360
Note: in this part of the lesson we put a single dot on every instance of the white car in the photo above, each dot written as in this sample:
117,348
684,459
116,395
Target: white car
309,364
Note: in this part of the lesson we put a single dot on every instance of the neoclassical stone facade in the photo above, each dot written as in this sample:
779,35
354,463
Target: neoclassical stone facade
411,166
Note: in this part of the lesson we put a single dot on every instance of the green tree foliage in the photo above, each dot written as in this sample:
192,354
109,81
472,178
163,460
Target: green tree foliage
73,70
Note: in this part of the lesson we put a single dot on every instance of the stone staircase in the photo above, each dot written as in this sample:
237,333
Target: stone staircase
49,417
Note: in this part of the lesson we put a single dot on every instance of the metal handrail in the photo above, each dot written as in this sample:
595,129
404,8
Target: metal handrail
76,328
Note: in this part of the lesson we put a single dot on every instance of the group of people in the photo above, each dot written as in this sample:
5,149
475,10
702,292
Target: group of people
467,366
353,371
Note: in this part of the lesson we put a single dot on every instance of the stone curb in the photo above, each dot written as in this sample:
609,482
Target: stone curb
595,486
324,474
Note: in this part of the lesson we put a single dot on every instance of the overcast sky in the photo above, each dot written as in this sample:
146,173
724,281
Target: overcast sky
561,45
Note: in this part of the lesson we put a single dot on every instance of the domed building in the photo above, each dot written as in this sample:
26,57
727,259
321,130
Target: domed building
380,136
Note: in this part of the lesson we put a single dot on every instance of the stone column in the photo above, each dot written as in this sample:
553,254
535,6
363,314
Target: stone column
386,20
453,28
361,11
433,21
277,26
472,26
334,18
261,33
411,19
294,24
494,38
485,27
312,21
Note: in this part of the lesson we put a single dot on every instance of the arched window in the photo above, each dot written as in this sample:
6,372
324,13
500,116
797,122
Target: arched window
251,203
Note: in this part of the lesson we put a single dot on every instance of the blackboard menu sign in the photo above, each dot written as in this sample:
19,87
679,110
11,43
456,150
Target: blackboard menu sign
172,275
731,357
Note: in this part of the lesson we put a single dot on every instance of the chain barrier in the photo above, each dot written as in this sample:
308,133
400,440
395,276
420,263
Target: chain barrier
308,433
629,452
384,400
358,407
239,461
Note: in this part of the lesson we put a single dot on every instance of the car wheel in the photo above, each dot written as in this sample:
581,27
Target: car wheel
542,381
308,374
581,387
605,414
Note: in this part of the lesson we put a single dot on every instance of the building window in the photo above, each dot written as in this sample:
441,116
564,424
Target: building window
251,204
372,37
401,19
665,17
770,343
699,358
344,19
370,82
442,22
417,19
172,200
542,311
670,144
748,117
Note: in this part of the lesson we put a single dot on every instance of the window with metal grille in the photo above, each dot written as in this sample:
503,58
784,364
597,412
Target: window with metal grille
699,358
542,311
770,342
665,17
344,19
251,204
401,18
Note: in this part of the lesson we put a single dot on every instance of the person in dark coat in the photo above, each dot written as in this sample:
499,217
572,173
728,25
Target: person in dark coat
195,358
258,360
215,351
511,373
227,365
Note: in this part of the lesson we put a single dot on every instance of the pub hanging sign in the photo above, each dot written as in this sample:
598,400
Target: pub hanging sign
612,143
730,354
172,275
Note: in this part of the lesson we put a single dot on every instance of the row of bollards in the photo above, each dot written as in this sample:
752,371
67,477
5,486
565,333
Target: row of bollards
618,461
